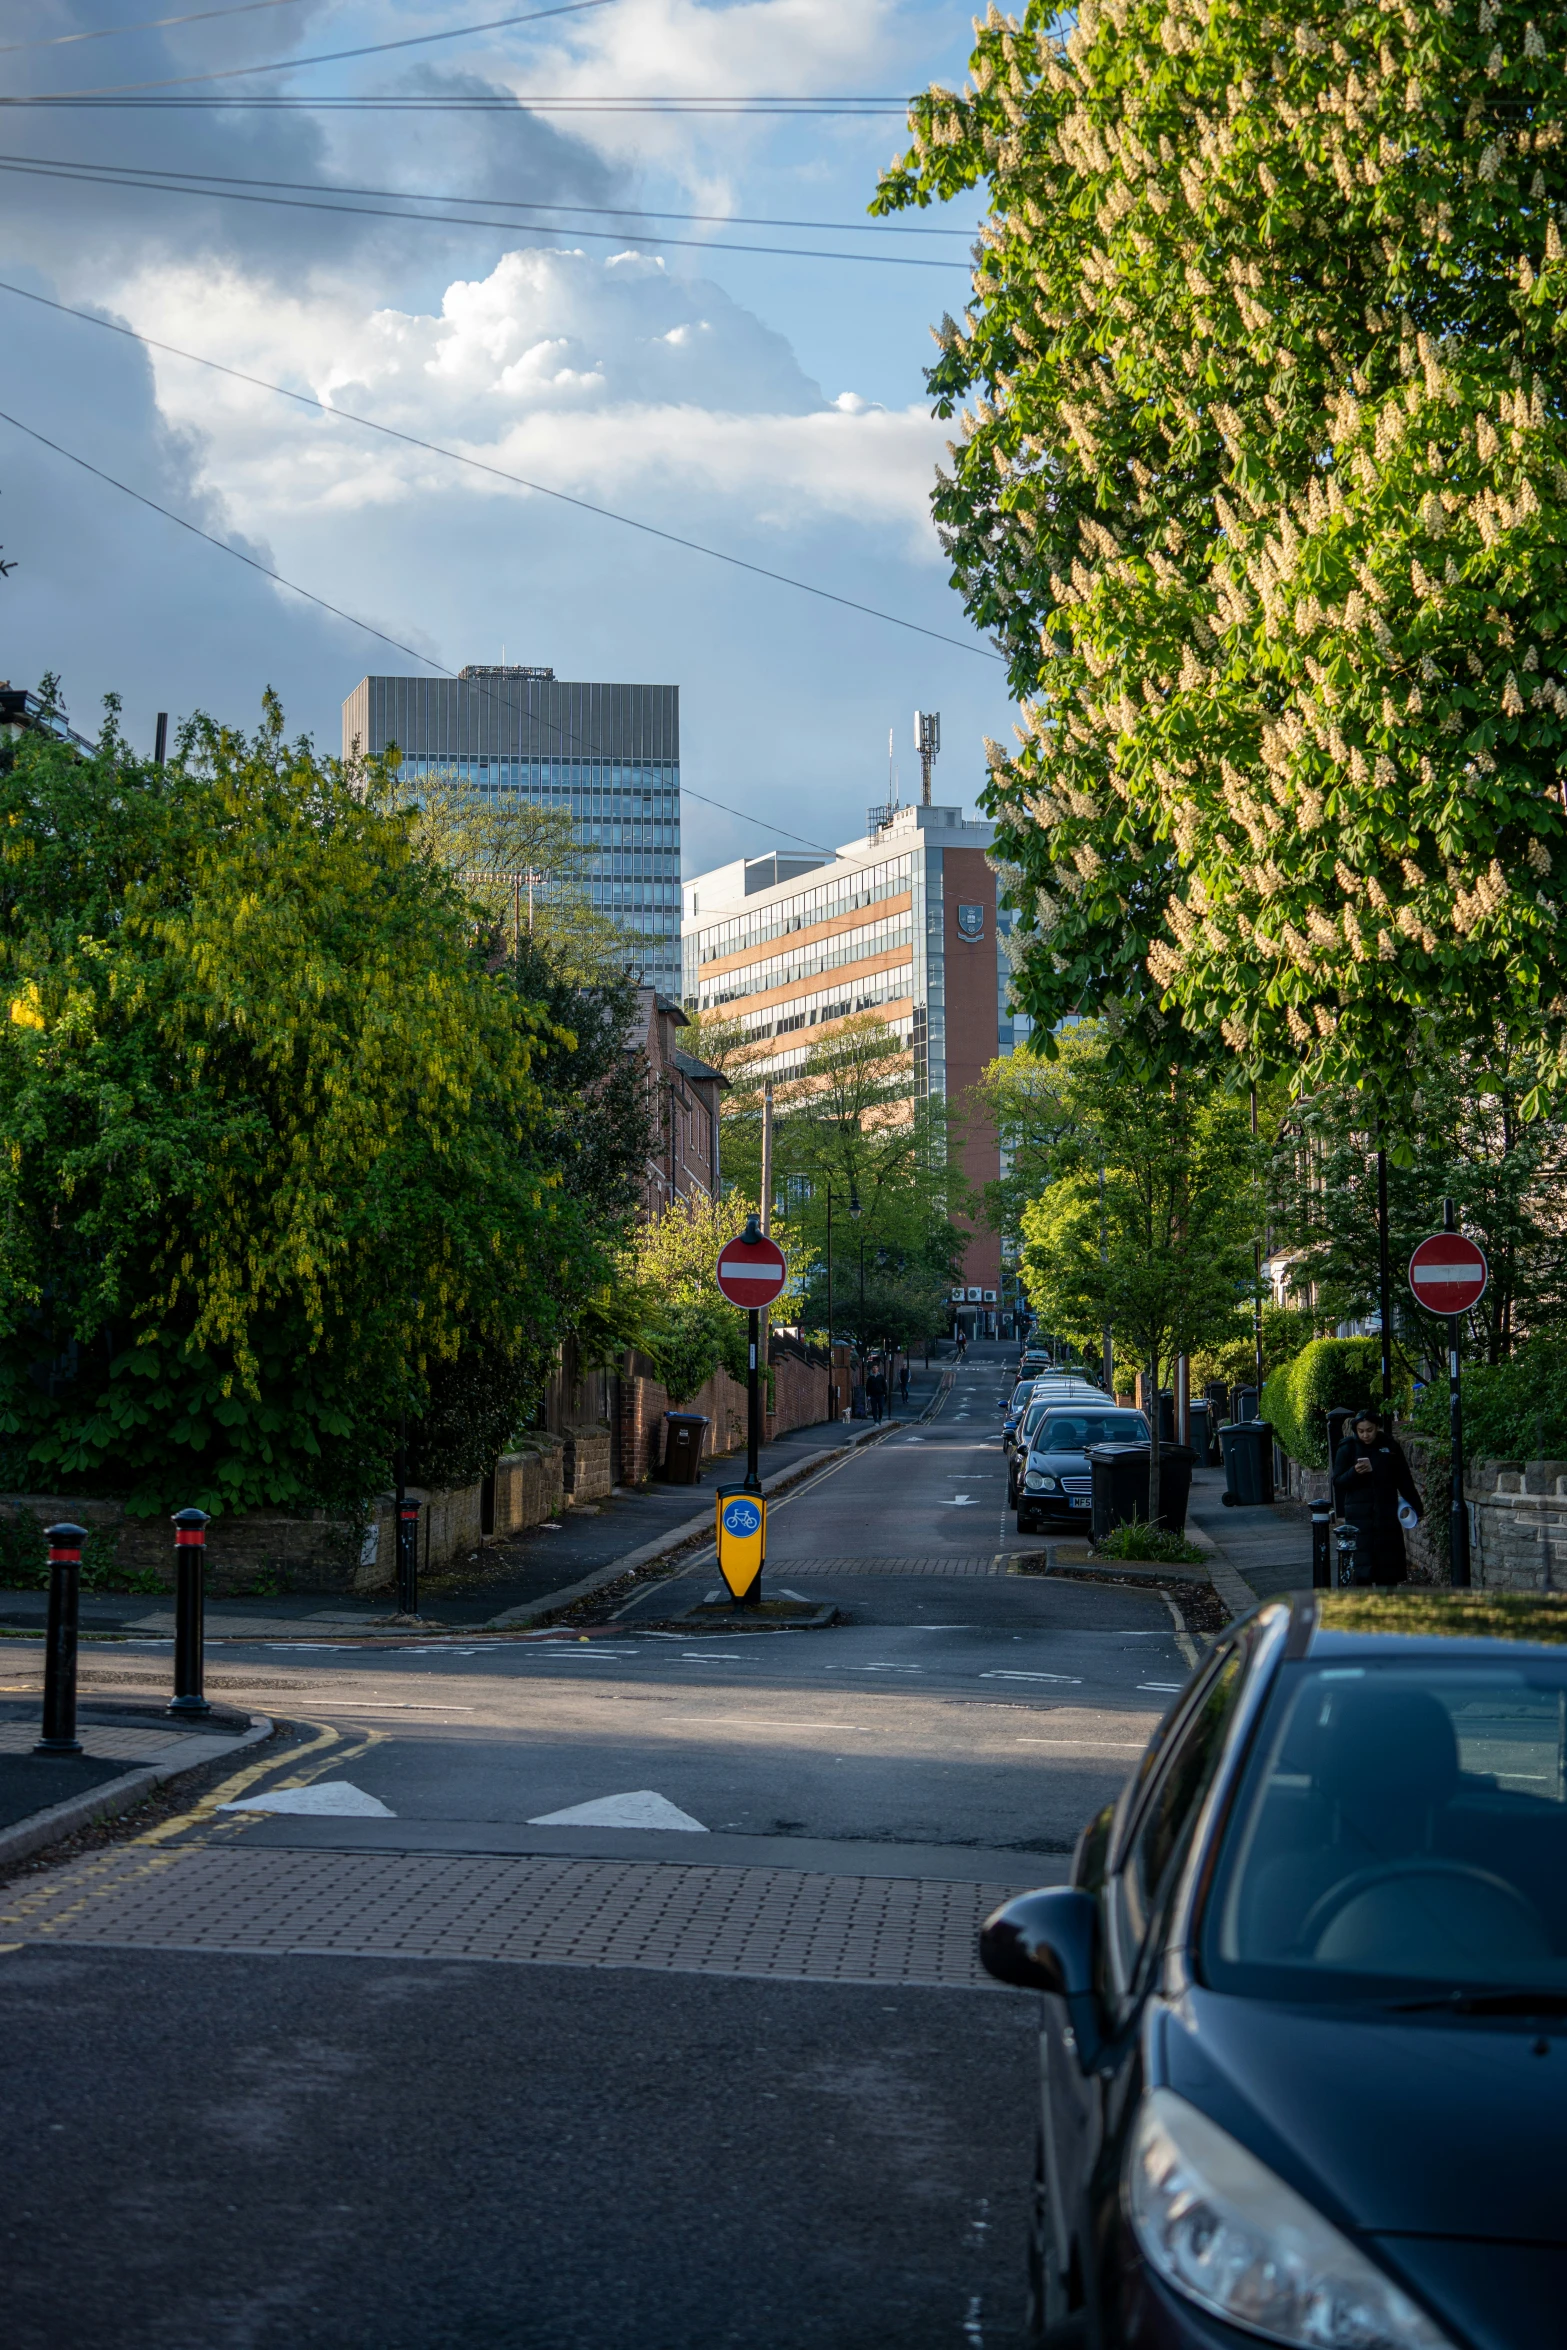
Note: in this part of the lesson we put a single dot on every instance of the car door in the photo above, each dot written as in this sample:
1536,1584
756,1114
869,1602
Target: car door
1133,1870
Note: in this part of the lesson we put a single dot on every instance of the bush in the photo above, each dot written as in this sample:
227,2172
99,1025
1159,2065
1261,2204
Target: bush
1299,1395
1513,1411
1155,1544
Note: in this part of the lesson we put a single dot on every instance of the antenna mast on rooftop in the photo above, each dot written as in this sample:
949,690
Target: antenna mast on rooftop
927,741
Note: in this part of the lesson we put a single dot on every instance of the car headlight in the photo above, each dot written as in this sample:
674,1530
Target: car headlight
1221,2228
1038,1482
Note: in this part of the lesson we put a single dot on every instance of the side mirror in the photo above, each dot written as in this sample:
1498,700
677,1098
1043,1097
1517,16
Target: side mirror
1043,1942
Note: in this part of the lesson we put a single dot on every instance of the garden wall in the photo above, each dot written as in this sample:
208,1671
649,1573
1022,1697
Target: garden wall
799,1401
1517,1518
261,1553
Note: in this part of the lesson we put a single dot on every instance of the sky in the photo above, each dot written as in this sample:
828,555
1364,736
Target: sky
769,406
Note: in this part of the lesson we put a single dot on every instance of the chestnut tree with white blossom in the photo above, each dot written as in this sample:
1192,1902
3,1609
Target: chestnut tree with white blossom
1262,489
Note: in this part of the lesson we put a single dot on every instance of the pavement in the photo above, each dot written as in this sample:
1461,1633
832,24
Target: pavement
521,1580
614,1988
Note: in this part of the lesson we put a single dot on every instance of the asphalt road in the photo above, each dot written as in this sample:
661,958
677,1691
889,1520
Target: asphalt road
293,2150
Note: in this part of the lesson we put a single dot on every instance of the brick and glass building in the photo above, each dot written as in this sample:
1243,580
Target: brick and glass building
609,755
903,923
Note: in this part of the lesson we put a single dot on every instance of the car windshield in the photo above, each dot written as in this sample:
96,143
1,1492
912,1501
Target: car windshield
1020,1395
1403,1821
1075,1431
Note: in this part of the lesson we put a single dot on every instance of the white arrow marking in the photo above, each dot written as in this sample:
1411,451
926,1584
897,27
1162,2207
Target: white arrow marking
961,1501
332,1799
644,1809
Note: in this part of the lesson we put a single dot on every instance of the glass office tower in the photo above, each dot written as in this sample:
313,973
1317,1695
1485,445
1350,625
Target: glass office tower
608,754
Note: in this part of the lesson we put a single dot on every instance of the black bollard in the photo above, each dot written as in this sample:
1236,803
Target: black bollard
1347,1541
407,1558
1321,1521
65,1568
190,1610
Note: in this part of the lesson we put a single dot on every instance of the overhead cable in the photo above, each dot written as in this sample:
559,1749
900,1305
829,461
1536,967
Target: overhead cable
230,73
148,24
499,473
747,816
92,175
638,211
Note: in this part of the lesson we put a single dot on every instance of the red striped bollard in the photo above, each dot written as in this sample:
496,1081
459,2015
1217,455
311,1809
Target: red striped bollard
65,1569
190,1561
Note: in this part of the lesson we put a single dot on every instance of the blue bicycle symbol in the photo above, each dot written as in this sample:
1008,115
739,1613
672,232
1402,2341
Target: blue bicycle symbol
741,1517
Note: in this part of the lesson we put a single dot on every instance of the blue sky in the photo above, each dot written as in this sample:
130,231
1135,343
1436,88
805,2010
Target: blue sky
773,407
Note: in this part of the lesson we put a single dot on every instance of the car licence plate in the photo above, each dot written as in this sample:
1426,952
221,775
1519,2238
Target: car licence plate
1080,1501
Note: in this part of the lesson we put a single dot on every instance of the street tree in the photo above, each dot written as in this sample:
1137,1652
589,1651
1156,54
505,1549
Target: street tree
273,1146
1261,491
1148,1220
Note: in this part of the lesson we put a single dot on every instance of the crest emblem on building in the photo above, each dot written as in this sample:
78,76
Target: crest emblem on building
971,921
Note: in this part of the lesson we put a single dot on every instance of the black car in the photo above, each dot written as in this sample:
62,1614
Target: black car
1305,2015
1048,1474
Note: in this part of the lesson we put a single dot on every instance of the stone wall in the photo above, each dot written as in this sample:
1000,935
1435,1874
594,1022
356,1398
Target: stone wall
262,1553
1517,1518
589,1469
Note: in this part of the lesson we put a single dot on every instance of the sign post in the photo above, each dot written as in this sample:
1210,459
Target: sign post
752,1273
1448,1274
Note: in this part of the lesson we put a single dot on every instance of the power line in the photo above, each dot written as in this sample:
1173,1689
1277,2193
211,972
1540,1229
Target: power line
148,24
229,179
499,473
831,109
230,73
222,545
92,175
225,548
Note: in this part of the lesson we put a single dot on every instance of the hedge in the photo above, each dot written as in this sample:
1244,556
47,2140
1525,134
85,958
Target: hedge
1300,1393
1513,1411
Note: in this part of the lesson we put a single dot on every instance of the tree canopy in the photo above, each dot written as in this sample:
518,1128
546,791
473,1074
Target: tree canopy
273,1144
1262,490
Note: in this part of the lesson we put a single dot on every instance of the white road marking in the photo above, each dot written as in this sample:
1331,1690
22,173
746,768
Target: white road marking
1074,1678
643,1809
1166,1688
332,1799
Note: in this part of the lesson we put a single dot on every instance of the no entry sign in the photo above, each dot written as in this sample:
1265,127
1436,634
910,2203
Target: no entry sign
752,1273
1448,1273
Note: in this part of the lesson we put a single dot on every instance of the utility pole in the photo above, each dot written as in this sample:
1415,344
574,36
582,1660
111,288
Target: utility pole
927,741
767,1203
1256,1306
1384,1282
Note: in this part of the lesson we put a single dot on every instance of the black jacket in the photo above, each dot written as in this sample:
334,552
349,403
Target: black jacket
1374,1499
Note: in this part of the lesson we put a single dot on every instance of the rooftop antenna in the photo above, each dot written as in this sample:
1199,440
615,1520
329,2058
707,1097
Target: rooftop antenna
927,741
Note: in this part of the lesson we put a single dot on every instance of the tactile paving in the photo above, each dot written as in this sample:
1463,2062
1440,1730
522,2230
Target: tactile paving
735,1921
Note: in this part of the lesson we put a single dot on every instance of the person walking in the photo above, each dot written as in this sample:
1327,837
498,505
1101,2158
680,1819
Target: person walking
903,1385
876,1391
1377,1493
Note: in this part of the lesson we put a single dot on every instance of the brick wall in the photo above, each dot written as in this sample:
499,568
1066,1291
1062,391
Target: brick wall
799,1397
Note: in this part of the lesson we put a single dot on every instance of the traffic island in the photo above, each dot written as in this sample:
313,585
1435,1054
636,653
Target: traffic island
794,1615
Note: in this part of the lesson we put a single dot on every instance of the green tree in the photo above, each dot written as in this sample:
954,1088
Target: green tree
1148,1219
1470,1142
272,1143
1261,491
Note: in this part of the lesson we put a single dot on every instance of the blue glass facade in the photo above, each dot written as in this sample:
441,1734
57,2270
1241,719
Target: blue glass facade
608,755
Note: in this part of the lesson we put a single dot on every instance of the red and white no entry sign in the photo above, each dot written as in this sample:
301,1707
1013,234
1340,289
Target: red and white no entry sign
1448,1273
752,1272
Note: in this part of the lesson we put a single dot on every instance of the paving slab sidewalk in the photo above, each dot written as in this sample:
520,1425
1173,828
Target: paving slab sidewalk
129,1747
1253,1553
555,1565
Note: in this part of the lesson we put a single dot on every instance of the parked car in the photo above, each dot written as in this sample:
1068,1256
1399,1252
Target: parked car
1034,1359
1052,1386
1048,1475
1012,1411
1304,1997
1048,1394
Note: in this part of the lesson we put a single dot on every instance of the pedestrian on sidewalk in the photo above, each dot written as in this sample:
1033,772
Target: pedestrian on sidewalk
1378,1495
876,1391
903,1385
